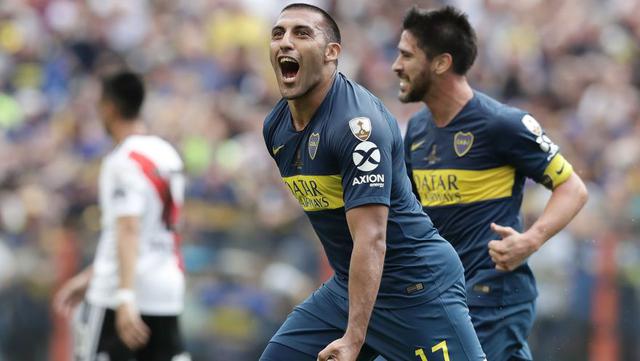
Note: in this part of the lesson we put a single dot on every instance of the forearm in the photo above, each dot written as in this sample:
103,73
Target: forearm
565,202
365,273
127,240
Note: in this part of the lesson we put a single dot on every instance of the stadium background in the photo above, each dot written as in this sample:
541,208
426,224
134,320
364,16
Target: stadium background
250,253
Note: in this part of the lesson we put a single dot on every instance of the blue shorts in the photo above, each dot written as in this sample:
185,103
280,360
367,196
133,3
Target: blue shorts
427,331
503,330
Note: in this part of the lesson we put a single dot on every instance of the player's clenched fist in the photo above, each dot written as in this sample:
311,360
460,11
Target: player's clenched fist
341,349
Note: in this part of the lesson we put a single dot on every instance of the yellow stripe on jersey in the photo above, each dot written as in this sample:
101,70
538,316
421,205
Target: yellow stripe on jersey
444,187
557,172
316,192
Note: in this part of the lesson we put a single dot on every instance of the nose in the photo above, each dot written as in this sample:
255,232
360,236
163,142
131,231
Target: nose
285,42
397,65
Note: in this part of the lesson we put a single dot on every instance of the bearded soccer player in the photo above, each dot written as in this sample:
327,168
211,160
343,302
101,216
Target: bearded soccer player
136,283
468,156
398,287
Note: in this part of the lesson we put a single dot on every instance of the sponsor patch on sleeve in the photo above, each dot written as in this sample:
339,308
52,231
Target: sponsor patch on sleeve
532,125
366,156
361,128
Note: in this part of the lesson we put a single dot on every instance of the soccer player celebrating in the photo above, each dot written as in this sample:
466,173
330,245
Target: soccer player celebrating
398,287
136,283
468,156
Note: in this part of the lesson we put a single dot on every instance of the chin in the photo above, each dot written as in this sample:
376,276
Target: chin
404,97
291,93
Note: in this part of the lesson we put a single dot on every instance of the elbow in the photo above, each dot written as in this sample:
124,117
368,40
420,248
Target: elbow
379,243
580,191
582,194
575,192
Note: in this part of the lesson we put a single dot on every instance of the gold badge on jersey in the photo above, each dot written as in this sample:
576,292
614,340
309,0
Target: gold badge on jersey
462,143
314,142
361,128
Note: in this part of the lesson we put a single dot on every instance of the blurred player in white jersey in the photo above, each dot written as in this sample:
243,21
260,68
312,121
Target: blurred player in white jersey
133,292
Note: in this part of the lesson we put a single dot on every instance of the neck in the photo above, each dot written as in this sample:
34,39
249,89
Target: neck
303,108
447,97
124,129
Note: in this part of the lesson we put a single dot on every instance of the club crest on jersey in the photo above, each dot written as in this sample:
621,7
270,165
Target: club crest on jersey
462,143
361,128
314,142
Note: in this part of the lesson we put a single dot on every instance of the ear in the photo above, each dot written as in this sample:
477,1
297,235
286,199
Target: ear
442,63
332,52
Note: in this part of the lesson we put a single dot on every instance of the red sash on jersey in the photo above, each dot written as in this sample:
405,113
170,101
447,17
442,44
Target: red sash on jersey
170,211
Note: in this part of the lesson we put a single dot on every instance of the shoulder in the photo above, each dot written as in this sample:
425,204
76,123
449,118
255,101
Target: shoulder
154,149
419,119
356,109
275,114
501,118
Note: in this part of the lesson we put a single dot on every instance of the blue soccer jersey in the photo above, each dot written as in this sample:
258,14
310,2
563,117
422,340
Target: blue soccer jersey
471,173
351,154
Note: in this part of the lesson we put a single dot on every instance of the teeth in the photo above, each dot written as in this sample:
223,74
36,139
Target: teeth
288,60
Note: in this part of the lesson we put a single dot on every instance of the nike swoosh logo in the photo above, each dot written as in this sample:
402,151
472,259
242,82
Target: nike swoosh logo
275,150
559,171
416,145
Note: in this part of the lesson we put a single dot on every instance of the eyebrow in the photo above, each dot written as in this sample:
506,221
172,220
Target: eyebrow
296,27
303,27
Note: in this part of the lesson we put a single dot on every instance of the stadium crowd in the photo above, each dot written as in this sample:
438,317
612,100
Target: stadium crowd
250,253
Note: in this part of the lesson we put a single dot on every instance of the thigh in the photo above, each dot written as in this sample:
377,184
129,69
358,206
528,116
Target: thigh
318,321
278,352
438,330
311,326
165,340
503,330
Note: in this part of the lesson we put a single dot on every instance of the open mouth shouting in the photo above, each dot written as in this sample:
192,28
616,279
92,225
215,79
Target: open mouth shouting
289,68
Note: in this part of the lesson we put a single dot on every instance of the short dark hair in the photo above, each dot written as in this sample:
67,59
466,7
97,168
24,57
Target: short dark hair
331,27
446,30
126,90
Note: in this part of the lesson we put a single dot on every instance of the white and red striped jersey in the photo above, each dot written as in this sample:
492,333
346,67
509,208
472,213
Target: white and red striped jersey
142,177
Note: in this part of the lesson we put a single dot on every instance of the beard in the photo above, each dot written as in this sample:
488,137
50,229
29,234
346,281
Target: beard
418,88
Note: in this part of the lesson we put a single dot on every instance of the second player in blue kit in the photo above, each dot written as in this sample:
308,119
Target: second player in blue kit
398,288
469,156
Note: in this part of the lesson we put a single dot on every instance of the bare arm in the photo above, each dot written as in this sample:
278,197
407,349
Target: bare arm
566,201
127,230
131,329
368,227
